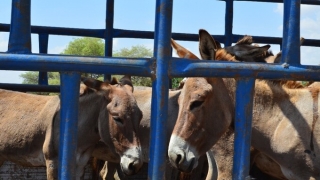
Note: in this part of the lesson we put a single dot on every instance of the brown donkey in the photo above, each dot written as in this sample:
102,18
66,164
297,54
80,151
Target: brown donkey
284,127
221,160
29,126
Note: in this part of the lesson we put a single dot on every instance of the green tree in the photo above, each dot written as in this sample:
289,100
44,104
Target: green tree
85,47
93,47
31,77
137,51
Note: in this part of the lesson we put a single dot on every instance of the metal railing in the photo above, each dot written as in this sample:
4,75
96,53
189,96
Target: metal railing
161,67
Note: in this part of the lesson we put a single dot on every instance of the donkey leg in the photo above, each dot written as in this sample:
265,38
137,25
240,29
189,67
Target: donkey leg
82,160
51,158
52,169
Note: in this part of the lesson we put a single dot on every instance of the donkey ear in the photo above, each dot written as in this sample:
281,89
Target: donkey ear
207,45
126,82
92,83
301,40
249,53
114,81
277,58
181,51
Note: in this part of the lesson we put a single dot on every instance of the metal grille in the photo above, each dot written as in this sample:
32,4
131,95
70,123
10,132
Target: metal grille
161,67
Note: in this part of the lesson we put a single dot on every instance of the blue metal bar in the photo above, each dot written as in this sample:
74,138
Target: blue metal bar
99,33
189,68
20,31
99,65
43,49
228,23
310,2
70,83
109,32
291,32
159,106
143,67
120,33
30,87
243,123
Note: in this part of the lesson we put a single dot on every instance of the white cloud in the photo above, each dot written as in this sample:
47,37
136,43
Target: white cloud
309,9
11,76
3,46
115,43
279,8
4,42
310,55
305,9
56,49
309,29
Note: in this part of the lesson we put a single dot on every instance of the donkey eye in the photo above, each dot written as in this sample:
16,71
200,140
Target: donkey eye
195,104
118,120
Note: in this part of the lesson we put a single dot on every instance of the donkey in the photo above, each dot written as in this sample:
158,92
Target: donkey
29,126
143,96
284,125
221,161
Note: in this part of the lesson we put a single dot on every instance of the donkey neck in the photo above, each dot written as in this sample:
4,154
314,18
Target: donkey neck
280,114
90,107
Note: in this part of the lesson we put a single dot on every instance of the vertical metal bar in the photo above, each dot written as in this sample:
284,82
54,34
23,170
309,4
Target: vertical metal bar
43,49
291,32
159,107
171,79
243,123
108,37
70,83
228,23
20,28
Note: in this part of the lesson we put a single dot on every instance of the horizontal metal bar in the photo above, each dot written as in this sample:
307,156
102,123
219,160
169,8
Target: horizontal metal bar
276,40
120,33
30,87
60,31
204,68
311,2
36,62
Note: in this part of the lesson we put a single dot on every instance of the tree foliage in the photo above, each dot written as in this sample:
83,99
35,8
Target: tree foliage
93,47
85,47
137,51
31,77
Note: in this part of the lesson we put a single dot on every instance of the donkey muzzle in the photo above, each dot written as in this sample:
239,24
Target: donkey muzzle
131,161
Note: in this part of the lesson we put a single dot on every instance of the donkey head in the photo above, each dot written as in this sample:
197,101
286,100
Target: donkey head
206,107
119,120
205,112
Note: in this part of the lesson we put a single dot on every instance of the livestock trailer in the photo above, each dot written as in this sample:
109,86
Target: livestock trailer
161,68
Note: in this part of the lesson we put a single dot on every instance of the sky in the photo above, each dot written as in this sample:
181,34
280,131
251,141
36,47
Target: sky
250,18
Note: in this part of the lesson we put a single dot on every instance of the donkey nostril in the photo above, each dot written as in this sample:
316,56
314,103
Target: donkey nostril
191,165
179,157
131,166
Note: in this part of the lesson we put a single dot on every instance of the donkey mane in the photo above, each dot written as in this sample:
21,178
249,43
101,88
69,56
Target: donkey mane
90,85
245,40
223,55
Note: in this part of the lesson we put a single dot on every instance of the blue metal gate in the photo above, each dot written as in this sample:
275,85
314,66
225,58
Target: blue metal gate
161,67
